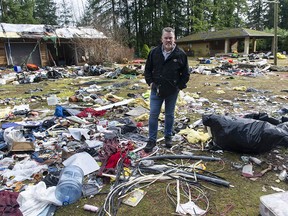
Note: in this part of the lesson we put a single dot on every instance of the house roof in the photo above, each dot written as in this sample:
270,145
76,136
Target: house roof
79,32
8,30
225,34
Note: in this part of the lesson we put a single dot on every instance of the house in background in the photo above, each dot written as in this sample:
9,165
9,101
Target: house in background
43,45
223,41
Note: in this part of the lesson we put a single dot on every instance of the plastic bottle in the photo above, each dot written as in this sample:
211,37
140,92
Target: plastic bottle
283,175
69,187
91,208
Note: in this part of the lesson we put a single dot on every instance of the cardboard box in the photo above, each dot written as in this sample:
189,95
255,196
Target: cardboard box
22,146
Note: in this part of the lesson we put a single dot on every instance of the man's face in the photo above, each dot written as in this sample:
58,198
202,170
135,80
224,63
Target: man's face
168,40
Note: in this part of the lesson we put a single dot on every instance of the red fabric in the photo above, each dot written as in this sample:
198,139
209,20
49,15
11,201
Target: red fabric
93,112
110,154
8,204
113,160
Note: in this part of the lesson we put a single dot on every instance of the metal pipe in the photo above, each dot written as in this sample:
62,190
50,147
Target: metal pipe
275,31
191,157
198,176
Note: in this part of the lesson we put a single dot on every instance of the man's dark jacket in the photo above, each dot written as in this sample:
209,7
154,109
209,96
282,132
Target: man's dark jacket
169,75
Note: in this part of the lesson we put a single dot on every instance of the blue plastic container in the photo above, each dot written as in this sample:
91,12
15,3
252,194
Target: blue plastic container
17,69
69,187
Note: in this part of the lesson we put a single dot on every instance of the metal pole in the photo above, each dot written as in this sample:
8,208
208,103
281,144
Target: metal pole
275,31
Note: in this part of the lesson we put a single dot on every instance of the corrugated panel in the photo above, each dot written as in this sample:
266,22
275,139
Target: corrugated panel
8,27
40,31
79,33
9,35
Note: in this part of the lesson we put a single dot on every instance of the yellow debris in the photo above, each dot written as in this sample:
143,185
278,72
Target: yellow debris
240,88
140,102
5,112
111,97
281,56
143,117
146,94
219,92
194,136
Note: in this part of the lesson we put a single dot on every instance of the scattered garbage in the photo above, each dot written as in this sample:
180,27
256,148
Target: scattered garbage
96,137
69,187
274,204
52,100
90,208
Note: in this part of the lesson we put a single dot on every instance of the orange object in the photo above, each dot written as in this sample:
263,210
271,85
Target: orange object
32,67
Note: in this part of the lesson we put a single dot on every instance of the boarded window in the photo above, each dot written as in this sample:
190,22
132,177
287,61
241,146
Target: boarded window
19,53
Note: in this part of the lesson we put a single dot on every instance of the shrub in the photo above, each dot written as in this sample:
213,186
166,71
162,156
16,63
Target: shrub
98,51
145,51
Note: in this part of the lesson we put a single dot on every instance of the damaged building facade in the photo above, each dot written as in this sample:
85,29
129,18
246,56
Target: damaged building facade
44,45
225,41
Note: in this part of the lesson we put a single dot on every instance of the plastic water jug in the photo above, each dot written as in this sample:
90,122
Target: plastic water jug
69,187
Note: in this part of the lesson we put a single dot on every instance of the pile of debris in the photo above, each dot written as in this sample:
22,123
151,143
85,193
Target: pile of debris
106,143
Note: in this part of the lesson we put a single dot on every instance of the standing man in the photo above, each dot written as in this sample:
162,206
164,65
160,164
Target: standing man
166,72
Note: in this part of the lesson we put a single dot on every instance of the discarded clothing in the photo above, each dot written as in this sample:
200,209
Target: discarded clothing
113,160
8,203
90,111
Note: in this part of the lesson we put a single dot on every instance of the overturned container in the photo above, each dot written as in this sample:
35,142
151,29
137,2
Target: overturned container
69,187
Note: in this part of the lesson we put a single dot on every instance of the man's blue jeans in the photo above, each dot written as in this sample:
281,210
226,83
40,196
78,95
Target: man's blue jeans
155,108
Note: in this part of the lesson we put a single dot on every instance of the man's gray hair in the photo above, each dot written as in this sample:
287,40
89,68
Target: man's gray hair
168,29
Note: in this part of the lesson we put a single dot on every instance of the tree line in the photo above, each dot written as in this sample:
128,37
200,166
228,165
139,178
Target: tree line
36,12
138,22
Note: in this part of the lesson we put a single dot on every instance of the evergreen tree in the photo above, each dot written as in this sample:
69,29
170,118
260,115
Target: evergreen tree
256,15
230,13
125,13
65,14
215,14
269,15
45,12
283,14
87,19
17,11
199,15
106,15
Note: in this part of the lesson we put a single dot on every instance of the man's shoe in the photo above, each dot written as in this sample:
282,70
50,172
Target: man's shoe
168,142
149,146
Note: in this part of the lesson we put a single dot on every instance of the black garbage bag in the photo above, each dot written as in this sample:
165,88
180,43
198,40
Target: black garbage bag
244,135
263,117
283,125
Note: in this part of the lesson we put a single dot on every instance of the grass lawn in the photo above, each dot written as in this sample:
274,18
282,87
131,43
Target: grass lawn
239,200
